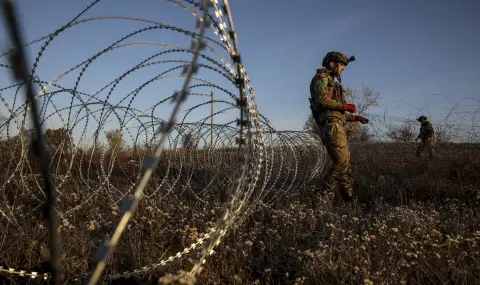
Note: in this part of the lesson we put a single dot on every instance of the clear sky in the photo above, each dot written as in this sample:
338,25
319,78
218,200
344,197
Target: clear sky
420,55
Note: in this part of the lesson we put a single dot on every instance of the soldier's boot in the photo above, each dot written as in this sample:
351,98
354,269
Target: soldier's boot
344,181
347,195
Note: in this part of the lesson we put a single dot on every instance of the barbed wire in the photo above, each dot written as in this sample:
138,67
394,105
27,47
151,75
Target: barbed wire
245,148
110,151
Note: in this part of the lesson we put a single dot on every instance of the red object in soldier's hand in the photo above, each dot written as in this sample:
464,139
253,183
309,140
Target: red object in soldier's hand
357,118
350,108
361,119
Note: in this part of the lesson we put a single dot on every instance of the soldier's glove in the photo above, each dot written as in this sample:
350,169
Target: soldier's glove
350,108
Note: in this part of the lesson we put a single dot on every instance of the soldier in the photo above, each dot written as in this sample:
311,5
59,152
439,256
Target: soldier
427,135
328,106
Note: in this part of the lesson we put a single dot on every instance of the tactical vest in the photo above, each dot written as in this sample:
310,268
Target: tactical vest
335,91
426,129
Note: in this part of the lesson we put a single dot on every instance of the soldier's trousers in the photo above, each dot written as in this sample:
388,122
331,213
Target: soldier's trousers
335,141
427,144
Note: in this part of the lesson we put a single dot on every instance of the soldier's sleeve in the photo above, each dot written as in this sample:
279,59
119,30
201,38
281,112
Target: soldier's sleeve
323,97
421,131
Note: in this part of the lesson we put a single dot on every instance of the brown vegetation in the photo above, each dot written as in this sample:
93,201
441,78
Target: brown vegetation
417,222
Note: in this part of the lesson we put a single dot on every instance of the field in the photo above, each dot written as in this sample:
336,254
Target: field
416,222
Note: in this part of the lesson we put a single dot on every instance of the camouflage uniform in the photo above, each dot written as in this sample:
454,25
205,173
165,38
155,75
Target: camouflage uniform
327,103
427,135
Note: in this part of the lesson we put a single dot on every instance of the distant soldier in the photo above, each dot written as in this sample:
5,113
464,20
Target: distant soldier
328,106
427,135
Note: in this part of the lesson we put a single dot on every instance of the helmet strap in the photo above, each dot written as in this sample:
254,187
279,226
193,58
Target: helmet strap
334,69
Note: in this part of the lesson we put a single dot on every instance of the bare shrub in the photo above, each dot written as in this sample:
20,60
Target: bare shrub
115,140
403,133
363,134
443,134
59,139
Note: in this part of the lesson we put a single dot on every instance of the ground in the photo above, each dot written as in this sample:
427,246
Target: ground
416,221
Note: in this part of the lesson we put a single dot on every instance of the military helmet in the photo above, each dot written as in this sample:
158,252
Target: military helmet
336,57
422,118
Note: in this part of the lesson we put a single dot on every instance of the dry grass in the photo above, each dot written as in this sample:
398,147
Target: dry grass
417,222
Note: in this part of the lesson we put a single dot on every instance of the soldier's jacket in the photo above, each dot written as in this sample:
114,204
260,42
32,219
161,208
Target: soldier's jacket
327,98
426,130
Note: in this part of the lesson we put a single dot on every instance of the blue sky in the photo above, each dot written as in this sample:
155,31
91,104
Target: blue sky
420,55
